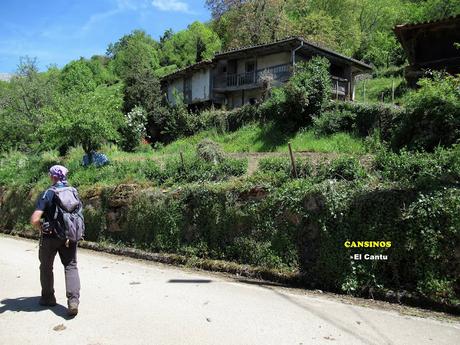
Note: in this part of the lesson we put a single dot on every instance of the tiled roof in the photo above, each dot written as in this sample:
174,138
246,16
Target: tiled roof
429,22
262,45
187,68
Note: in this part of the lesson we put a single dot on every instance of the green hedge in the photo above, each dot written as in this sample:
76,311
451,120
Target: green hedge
369,117
420,169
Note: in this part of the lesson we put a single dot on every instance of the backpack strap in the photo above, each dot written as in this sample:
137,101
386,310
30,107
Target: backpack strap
46,192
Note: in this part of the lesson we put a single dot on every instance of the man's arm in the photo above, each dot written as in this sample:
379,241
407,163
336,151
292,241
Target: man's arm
35,219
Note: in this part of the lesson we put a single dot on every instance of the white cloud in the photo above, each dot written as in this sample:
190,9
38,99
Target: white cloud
171,5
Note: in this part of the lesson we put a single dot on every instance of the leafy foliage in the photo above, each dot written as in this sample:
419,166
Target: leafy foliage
303,97
330,122
134,52
343,168
88,119
134,129
283,165
433,115
421,169
198,42
22,103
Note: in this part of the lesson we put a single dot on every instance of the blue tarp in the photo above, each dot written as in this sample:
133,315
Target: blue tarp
99,159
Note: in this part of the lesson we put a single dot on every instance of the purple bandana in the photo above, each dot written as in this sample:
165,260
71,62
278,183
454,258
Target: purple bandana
59,171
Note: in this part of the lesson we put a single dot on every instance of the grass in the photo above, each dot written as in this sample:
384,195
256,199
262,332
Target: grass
19,169
269,138
375,87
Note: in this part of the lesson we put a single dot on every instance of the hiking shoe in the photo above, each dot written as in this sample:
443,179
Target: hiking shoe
73,309
47,302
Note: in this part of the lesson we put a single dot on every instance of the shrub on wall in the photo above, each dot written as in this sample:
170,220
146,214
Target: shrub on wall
368,117
343,168
420,169
330,122
433,115
283,165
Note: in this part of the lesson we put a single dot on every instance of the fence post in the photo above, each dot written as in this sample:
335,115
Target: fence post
392,91
294,170
364,91
182,160
336,90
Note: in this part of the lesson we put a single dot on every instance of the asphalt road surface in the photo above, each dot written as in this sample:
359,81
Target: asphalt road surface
126,301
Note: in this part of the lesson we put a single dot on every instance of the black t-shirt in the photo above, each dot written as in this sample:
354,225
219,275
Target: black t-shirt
46,204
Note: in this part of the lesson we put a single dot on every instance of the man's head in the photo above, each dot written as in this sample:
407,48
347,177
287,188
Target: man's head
58,173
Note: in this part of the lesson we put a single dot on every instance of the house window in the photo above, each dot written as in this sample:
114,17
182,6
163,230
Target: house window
250,66
223,68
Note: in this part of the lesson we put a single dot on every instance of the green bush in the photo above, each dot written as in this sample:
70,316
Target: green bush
330,122
433,231
420,169
154,221
343,168
369,117
195,169
239,117
433,115
172,122
307,93
283,165
20,169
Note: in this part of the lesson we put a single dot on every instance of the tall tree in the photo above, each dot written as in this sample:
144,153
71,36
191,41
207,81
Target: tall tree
22,102
134,52
88,119
188,46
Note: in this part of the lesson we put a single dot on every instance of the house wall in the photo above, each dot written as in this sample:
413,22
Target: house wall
234,99
178,86
238,98
265,61
201,85
273,60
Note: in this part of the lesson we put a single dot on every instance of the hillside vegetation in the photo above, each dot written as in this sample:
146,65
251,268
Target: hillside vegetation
178,180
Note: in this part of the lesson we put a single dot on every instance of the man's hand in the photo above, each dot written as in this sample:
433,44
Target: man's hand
35,219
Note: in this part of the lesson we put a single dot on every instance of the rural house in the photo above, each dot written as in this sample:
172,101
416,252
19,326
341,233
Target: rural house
430,46
236,77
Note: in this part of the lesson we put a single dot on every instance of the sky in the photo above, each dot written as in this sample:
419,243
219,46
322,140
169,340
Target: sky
56,32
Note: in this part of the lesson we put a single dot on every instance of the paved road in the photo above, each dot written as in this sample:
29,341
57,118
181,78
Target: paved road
126,301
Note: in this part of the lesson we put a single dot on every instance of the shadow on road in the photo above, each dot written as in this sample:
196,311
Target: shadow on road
30,304
189,281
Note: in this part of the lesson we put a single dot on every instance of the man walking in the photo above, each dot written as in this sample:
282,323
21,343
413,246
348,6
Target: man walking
53,240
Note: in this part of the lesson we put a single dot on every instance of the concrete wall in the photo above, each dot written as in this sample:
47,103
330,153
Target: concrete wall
175,85
201,85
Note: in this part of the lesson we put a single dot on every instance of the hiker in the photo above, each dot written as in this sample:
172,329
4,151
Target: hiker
58,216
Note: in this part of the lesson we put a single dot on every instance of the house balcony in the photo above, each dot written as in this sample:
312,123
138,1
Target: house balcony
339,87
277,74
250,80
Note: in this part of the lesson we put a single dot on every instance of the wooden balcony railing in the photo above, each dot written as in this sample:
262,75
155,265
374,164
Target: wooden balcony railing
234,80
277,73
